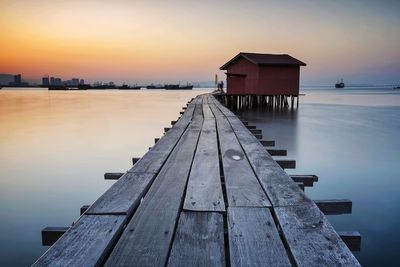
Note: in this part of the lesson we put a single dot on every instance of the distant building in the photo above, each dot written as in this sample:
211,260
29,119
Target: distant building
263,74
45,81
17,79
57,82
75,82
81,82
52,82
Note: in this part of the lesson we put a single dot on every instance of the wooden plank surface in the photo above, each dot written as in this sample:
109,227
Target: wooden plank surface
148,236
281,189
86,243
155,158
254,239
204,190
199,240
311,238
242,186
124,195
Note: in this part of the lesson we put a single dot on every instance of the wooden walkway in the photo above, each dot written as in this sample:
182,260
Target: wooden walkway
207,194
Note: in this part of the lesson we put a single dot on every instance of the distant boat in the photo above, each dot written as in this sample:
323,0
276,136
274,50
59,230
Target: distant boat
178,87
152,86
398,87
58,87
339,84
127,87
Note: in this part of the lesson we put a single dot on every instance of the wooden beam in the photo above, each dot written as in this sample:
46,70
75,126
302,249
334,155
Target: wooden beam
267,142
258,136
245,123
351,239
256,131
112,175
173,123
134,160
51,234
184,108
287,164
181,112
301,185
307,180
334,206
251,127
156,140
83,209
277,152
166,129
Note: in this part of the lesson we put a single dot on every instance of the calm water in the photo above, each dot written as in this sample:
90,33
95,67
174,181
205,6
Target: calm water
350,139
56,146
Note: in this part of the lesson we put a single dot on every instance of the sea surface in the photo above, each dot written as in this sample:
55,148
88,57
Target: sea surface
56,146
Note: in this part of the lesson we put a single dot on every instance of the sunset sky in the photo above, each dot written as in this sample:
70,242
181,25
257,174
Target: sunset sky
150,41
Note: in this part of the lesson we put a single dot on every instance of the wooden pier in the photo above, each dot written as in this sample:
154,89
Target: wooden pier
208,193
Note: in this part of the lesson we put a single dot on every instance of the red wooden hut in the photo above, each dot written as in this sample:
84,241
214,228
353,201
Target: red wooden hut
263,75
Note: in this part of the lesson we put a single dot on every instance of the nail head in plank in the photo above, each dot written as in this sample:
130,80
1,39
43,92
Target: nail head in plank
199,240
86,243
311,238
254,239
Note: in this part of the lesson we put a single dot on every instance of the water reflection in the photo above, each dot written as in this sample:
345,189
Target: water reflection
355,150
55,148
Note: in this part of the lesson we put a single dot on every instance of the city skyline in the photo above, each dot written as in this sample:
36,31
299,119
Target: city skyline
188,41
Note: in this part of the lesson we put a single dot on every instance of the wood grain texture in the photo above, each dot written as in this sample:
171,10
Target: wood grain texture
204,190
242,186
281,189
148,236
152,161
254,239
199,240
311,238
124,195
86,243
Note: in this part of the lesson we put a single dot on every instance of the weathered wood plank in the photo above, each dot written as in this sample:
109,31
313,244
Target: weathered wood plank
352,239
51,234
86,243
277,152
199,240
307,180
287,164
148,236
204,190
124,195
281,189
113,175
334,206
311,238
155,158
242,186
254,239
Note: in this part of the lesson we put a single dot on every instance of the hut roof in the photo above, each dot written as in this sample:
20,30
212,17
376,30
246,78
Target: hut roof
266,59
